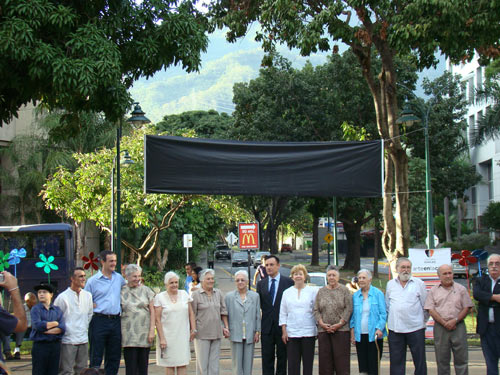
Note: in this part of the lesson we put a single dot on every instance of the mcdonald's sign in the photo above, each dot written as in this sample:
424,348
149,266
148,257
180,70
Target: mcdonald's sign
248,235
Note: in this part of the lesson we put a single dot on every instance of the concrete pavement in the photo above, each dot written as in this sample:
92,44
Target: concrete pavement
226,284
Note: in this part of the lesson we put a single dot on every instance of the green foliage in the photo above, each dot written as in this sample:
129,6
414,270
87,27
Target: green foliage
206,124
491,217
440,228
85,55
469,242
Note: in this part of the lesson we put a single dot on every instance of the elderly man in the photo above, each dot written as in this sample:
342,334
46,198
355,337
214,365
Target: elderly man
77,307
487,293
405,298
105,332
449,303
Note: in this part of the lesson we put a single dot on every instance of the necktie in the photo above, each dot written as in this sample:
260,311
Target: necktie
272,290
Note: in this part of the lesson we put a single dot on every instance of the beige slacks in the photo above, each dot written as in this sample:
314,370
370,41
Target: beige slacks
207,356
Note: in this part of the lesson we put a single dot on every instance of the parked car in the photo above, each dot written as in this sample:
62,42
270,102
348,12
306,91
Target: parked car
240,259
460,271
258,257
317,279
222,252
286,248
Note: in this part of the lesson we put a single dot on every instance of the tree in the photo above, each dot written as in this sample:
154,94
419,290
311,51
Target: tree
206,124
85,55
85,194
491,217
415,29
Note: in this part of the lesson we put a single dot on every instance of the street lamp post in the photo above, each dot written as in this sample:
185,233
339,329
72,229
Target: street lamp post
408,117
138,118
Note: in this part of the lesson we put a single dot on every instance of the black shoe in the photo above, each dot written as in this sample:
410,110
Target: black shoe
8,356
17,355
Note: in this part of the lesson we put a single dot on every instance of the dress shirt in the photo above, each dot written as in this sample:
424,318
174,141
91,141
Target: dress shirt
405,306
39,318
207,311
491,315
297,312
106,292
448,302
77,311
270,281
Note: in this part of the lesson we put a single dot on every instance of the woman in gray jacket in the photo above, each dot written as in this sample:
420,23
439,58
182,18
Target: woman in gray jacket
243,308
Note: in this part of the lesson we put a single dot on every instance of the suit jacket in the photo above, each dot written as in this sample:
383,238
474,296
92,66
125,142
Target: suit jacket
270,313
237,311
482,293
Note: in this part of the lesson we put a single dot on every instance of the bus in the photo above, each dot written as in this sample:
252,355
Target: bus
48,239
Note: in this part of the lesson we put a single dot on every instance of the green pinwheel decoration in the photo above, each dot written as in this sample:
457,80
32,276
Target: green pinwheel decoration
46,264
4,261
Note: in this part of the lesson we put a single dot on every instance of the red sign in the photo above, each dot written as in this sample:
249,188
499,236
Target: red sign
248,235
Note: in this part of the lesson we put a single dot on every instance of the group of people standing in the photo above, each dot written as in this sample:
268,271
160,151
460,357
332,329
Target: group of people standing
285,314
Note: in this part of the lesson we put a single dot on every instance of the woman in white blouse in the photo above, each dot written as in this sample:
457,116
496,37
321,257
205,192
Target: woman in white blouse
297,322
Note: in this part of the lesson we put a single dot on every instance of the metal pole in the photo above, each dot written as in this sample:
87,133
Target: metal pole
118,196
329,231
113,207
335,244
428,192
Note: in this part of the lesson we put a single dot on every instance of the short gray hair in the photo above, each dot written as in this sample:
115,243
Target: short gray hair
241,272
401,260
491,256
204,273
331,267
366,272
169,275
132,268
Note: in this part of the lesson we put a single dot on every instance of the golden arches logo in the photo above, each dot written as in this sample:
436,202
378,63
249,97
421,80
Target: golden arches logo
248,239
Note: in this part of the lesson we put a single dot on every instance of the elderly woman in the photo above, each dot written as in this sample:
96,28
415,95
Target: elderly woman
137,321
368,324
332,310
209,308
243,312
297,322
175,326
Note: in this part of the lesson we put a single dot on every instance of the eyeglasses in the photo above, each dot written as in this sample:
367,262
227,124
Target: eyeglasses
494,264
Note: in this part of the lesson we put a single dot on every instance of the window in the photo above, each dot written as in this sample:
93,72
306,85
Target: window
489,176
471,90
473,194
479,78
472,129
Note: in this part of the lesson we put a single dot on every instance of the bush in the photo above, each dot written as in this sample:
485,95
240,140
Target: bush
154,279
469,242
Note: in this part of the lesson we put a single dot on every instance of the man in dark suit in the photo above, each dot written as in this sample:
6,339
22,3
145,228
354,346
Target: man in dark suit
270,290
487,293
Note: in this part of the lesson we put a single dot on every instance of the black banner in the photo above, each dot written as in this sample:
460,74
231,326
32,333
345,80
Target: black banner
179,165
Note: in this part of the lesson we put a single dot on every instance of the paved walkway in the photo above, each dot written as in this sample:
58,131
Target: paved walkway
225,283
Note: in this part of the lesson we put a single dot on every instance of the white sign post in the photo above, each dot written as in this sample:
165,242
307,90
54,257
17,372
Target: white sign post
188,242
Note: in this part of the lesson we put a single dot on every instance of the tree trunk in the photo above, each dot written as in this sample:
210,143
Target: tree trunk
315,241
161,259
353,235
376,248
446,210
459,218
79,242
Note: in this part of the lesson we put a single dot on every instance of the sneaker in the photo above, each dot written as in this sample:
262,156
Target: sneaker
17,355
8,356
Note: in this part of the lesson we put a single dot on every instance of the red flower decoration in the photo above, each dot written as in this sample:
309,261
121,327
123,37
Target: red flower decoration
90,261
465,258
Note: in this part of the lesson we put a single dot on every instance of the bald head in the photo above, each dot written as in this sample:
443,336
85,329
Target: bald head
444,267
445,273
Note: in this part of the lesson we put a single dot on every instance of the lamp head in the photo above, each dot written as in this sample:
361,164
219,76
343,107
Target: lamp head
138,117
407,116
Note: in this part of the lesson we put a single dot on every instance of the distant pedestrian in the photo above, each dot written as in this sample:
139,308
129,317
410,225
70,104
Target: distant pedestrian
449,303
243,313
260,272
105,327
405,298
77,307
332,311
189,267
137,322
368,324
46,332
487,293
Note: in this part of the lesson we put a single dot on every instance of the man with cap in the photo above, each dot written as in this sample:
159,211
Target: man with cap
47,329
105,327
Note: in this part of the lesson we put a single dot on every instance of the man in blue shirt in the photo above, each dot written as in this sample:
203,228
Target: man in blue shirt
105,328
189,267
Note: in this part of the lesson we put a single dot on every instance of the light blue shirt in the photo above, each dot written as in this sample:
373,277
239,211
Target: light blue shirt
186,284
377,317
277,278
106,292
